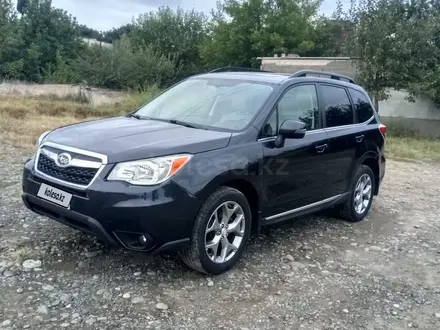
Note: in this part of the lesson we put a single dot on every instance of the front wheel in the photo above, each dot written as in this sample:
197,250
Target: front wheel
220,233
358,204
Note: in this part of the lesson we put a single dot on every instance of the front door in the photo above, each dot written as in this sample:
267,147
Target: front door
295,174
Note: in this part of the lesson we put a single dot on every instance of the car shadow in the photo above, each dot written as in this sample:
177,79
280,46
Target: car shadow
75,251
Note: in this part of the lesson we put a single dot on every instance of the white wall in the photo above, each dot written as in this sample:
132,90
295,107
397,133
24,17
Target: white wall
397,106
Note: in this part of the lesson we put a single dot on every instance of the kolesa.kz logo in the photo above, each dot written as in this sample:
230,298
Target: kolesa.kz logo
50,193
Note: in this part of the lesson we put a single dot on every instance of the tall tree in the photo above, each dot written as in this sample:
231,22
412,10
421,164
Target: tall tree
331,37
47,33
396,41
11,49
243,30
178,34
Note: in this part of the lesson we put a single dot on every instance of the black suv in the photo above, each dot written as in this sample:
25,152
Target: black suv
197,167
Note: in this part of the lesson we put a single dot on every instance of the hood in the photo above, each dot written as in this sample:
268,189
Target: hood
127,138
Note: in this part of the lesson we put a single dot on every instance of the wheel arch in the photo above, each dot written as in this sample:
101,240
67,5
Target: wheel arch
250,188
371,159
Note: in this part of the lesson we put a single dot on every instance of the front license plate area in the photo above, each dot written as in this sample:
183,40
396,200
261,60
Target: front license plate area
54,195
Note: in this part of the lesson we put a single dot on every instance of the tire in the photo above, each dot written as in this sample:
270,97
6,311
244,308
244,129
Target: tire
348,210
220,203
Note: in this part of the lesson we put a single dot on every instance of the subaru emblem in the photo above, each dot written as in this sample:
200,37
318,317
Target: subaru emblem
64,159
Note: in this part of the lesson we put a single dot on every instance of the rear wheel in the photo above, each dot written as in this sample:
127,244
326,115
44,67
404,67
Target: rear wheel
359,202
220,233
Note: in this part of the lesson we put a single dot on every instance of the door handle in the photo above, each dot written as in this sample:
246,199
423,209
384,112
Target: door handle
320,149
359,138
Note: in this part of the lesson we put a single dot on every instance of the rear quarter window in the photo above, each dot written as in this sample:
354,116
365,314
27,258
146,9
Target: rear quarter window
337,106
362,106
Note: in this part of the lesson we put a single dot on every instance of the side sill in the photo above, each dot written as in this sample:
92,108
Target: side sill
305,210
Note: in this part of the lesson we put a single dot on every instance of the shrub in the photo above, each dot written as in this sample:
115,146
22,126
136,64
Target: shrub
124,66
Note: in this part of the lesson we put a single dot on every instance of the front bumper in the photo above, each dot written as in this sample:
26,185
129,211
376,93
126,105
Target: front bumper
119,213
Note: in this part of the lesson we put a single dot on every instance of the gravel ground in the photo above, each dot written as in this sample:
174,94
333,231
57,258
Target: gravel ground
312,273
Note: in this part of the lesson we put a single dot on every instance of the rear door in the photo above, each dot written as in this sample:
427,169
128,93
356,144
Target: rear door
294,175
342,131
369,138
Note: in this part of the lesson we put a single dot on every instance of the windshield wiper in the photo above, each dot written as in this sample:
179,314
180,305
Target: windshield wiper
133,115
171,121
182,123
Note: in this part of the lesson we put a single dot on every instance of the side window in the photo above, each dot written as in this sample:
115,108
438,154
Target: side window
337,106
362,106
300,103
271,127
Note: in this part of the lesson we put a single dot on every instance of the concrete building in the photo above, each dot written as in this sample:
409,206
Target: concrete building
290,64
95,42
421,117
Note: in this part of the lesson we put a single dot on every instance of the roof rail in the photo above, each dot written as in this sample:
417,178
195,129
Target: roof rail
332,75
236,69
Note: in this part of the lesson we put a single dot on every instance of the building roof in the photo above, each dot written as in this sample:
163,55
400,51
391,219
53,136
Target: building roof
347,66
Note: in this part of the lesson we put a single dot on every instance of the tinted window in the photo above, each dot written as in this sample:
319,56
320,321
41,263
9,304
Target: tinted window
362,106
337,106
300,103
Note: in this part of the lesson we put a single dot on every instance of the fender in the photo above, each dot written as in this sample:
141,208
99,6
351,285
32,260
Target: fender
368,156
250,185
237,166
231,176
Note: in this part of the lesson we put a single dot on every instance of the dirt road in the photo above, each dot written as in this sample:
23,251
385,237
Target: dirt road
313,273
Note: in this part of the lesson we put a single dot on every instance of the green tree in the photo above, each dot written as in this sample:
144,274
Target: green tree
11,49
124,66
61,72
419,45
86,32
331,37
177,34
47,31
397,42
243,30
116,33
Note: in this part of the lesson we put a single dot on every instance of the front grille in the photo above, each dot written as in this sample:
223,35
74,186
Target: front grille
73,191
77,175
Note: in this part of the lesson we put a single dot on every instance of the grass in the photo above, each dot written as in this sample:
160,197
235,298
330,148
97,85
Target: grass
23,119
399,147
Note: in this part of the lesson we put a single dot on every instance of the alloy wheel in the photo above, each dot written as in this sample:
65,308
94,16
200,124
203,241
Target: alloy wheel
224,232
363,193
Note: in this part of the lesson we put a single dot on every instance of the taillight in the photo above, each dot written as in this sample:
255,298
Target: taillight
383,129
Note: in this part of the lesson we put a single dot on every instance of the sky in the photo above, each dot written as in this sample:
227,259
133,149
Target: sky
103,15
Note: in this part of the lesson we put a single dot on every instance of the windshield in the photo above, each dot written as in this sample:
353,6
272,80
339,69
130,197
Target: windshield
217,103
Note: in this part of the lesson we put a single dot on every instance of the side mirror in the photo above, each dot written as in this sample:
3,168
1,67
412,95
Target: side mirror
290,129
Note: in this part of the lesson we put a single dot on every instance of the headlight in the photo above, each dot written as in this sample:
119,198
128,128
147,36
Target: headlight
149,172
42,137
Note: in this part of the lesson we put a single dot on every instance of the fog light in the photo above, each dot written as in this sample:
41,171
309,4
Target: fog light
142,239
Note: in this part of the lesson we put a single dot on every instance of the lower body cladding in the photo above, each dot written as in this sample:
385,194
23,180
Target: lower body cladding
152,219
